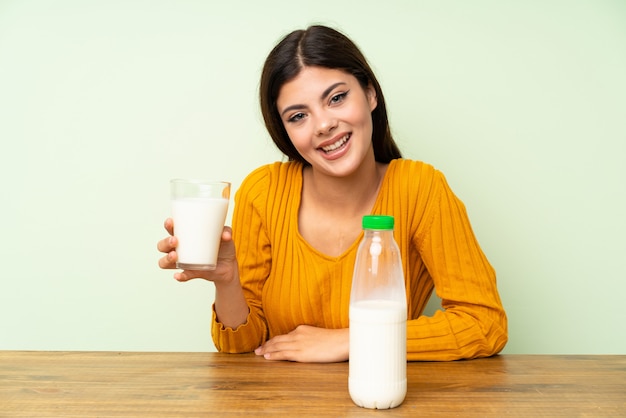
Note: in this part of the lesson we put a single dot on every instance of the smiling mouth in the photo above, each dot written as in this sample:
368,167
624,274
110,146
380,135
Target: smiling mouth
333,147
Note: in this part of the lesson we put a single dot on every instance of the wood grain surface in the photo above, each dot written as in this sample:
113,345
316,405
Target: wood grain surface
133,384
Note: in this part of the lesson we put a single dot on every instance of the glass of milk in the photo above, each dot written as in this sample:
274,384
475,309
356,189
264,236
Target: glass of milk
199,210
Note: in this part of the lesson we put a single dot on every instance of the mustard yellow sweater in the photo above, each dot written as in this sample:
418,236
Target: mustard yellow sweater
287,282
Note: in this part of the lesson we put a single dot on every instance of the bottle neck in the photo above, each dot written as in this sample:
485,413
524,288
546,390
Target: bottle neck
372,232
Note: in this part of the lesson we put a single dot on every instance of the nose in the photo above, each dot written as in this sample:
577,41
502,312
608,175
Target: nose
326,123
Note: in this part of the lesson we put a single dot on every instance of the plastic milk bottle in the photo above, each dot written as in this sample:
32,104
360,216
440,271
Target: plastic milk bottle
378,314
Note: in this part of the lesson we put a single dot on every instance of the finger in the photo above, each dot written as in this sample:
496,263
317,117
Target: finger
277,344
283,355
281,347
270,345
186,275
227,233
167,245
168,261
169,226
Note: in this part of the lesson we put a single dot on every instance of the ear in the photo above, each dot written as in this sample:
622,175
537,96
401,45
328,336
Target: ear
370,93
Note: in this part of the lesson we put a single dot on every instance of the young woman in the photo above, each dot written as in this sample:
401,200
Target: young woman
282,285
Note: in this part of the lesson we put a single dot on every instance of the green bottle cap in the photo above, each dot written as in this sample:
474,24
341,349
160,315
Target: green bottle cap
378,222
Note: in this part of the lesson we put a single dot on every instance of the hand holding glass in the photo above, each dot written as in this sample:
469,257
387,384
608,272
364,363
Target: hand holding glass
199,211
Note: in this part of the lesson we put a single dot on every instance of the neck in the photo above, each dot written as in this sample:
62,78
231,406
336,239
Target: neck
353,194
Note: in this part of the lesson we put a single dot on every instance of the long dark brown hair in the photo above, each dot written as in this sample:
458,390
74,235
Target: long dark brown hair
320,46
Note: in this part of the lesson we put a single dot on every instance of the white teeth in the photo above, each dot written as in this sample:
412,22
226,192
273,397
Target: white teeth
337,144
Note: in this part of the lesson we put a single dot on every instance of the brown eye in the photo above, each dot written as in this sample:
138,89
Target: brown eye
338,98
295,118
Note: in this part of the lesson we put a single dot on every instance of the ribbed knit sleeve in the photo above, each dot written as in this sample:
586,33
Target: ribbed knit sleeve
253,250
473,322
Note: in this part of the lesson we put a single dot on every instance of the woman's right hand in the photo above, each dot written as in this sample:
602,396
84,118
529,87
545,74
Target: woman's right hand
226,270
231,307
168,246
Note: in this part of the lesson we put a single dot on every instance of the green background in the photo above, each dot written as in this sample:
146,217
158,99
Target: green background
522,104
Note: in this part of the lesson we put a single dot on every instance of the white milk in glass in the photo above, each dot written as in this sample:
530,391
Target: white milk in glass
198,225
377,368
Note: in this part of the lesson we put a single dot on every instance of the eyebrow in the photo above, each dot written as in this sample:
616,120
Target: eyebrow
322,96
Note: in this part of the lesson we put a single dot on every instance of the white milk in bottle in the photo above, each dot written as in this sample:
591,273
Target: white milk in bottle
378,314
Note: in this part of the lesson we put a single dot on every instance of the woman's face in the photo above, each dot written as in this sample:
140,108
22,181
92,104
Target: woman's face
328,117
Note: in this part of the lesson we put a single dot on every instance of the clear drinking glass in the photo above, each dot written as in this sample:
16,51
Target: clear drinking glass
199,209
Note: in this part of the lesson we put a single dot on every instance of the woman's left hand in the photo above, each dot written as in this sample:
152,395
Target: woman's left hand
308,344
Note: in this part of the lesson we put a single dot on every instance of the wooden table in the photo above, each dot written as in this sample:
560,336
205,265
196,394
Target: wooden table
112,384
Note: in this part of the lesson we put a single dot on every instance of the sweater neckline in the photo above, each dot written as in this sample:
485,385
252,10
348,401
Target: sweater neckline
296,209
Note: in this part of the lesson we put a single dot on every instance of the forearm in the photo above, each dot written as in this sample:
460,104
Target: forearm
457,334
231,307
